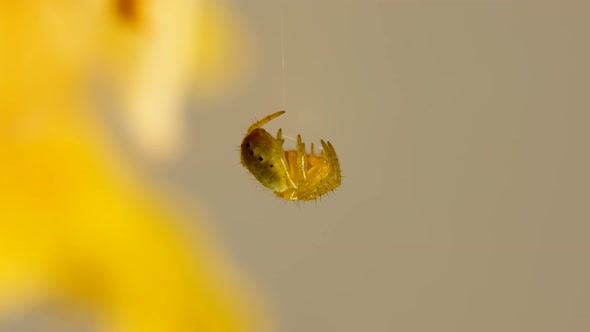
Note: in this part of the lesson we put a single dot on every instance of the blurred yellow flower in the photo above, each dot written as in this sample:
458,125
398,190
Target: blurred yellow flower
158,51
75,228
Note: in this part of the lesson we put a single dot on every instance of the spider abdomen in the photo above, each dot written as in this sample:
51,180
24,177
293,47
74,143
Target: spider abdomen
264,158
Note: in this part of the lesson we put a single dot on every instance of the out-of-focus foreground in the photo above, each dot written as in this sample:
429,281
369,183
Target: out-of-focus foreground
82,242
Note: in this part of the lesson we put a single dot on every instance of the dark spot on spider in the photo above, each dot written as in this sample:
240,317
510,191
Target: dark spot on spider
260,158
247,145
271,165
251,152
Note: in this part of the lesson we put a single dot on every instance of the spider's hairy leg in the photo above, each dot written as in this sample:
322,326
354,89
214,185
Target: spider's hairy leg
291,157
301,160
264,121
333,161
280,136
286,159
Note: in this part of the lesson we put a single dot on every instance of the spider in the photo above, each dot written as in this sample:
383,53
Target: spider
292,175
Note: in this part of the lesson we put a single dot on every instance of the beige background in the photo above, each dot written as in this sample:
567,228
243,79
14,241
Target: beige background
462,130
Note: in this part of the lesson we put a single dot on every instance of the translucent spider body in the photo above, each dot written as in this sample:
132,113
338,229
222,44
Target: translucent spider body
292,175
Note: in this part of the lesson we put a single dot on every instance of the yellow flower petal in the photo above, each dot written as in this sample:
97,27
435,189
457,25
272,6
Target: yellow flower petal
75,226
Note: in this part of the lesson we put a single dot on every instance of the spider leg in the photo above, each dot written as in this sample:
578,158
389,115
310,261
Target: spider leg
265,120
312,153
280,136
332,158
301,160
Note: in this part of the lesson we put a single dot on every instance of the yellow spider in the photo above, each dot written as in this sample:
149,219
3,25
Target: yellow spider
292,175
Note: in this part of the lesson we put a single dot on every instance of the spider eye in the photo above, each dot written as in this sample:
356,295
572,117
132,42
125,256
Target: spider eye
251,152
247,145
260,158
